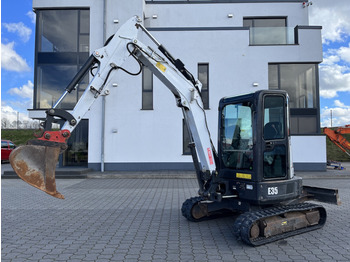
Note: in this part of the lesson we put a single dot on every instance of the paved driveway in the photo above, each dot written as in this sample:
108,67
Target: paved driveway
140,220
5,167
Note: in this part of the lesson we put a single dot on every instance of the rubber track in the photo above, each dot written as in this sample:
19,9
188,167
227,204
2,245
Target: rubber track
245,221
187,208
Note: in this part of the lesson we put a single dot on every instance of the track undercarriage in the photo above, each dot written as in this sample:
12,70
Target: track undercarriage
260,226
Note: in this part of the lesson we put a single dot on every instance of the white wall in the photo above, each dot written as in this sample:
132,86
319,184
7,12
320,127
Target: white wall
156,136
309,149
215,15
135,135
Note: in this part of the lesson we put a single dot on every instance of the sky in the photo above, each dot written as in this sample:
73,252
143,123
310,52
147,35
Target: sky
18,45
17,58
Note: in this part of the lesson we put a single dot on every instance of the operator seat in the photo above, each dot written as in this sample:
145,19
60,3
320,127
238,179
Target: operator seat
272,130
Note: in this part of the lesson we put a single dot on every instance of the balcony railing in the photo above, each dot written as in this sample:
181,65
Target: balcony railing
271,36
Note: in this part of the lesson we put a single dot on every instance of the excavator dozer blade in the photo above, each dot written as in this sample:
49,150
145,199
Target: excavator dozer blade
36,164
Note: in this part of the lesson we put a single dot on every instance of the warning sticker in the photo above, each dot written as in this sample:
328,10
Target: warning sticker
161,66
242,175
210,156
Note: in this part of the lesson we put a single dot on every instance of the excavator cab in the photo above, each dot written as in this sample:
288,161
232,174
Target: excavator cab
254,148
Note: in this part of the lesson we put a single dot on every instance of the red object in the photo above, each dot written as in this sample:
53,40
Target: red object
60,136
336,137
210,156
7,147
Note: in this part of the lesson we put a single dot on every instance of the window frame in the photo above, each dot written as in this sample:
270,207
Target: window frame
73,156
205,87
265,18
295,112
252,34
238,147
186,139
146,70
75,59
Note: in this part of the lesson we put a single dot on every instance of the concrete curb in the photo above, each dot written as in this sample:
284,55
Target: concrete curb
61,173
143,175
83,173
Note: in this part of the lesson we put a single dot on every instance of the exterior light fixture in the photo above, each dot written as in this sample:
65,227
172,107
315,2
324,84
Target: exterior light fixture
230,16
154,16
306,4
255,84
116,21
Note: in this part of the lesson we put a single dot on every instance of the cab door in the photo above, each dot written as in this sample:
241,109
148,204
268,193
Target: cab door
275,137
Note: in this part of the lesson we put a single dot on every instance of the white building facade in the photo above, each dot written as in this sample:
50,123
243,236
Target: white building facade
232,46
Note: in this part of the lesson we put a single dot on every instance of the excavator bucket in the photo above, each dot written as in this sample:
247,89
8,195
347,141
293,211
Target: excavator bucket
36,164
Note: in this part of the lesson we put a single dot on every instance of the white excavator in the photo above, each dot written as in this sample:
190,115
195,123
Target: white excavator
251,174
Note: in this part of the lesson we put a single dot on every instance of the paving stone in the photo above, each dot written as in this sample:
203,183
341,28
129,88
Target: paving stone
140,220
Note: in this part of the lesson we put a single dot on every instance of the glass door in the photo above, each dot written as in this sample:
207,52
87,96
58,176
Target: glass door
275,137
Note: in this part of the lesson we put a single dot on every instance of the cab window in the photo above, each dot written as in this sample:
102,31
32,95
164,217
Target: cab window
275,154
237,137
274,118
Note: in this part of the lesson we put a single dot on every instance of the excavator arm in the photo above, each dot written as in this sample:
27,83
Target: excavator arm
336,137
35,162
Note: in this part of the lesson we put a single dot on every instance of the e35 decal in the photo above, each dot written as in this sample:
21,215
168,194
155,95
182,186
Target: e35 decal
272,191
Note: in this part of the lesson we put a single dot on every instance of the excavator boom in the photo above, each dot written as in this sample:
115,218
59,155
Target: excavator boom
35,162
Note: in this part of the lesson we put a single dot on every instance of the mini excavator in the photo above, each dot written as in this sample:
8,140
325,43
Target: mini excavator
251,174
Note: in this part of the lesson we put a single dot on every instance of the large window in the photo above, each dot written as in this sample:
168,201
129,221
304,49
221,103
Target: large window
62,47
300,81
203,77
147,89
269,31
77,151
186,139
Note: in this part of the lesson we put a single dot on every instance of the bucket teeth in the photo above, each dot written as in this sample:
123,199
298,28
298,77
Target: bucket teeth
36,165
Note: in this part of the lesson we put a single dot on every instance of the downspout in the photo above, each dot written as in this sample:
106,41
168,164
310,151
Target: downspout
103,133
103,98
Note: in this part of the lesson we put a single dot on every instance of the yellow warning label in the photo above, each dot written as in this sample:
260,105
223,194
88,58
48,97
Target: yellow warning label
242,175
161,66
284,223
